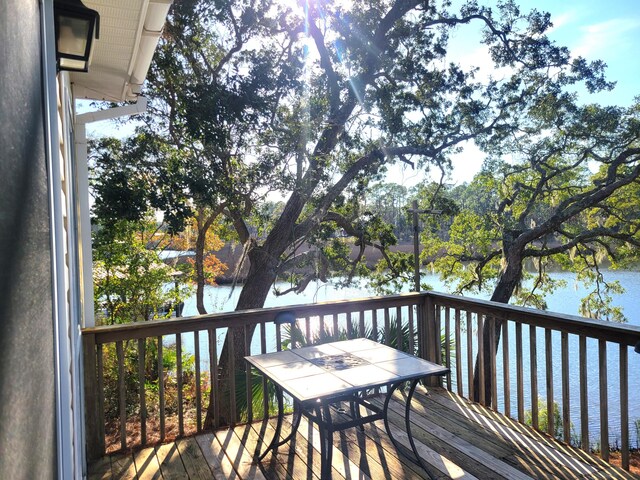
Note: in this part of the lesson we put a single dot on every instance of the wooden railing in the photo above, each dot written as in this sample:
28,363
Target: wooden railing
575,358
131,384
119,370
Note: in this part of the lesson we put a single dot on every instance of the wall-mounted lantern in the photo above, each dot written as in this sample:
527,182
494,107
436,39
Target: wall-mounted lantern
76,28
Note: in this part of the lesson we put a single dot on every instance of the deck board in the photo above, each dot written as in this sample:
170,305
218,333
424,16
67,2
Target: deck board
216,458
123,467
171,464
239,451
100,470
456,438
298,457
195,465
147,464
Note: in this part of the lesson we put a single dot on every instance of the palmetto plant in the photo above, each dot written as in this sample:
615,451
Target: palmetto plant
293,337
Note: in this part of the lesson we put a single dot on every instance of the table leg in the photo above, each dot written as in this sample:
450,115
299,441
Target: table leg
355,412
407,421
417,460
274,441
325,427
297,416
390,391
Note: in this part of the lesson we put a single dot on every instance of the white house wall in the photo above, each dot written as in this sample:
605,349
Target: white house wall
71,272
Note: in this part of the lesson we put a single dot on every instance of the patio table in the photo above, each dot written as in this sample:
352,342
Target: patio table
317,376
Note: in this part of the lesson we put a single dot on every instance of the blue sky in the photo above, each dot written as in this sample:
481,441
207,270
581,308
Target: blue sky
601,29
594,29
607,30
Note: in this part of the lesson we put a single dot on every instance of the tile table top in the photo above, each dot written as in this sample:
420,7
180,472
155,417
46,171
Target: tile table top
339,368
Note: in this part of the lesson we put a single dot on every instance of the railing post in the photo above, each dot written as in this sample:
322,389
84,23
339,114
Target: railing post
431,338
426,320
422,351
92,415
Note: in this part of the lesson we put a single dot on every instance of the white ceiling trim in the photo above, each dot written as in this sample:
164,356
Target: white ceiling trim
129,34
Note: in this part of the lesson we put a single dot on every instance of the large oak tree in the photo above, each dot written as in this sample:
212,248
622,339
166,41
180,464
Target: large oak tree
564,191
314,102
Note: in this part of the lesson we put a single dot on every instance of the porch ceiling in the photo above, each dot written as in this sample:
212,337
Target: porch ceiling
129,32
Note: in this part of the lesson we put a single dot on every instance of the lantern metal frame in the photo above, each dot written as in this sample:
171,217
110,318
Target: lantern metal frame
76,10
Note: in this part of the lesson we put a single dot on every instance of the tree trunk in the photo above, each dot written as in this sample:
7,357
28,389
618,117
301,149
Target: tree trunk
199,266
260,278
507,283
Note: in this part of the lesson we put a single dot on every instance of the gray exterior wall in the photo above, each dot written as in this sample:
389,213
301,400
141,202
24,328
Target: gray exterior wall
27,383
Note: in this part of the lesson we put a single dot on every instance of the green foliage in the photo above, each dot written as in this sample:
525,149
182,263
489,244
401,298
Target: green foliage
131,283
111,384
546,207
151,379
293,336
257,396
543,421
389,201
389,278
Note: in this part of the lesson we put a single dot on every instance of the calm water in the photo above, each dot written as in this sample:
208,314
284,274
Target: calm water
564,300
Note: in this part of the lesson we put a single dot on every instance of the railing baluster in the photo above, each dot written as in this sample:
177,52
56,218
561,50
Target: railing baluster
215,384
458,353
431,311
548,348
412,348
481,386
421,328
122,395
232,376
374,323
361,325
399,336
438,338
492,363
263,349
533,359
161,389
248,382
387,327
279,336
350,325
519,373
179,383
505,368
604,400
336,330
307,330
566,399
447,337
100,368
196,346
624,405
470,354
584,396
93,390
321,326
141,390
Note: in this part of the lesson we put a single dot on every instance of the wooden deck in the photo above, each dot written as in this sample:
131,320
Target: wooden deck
458,439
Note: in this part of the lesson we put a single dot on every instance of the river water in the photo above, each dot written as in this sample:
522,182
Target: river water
563,300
